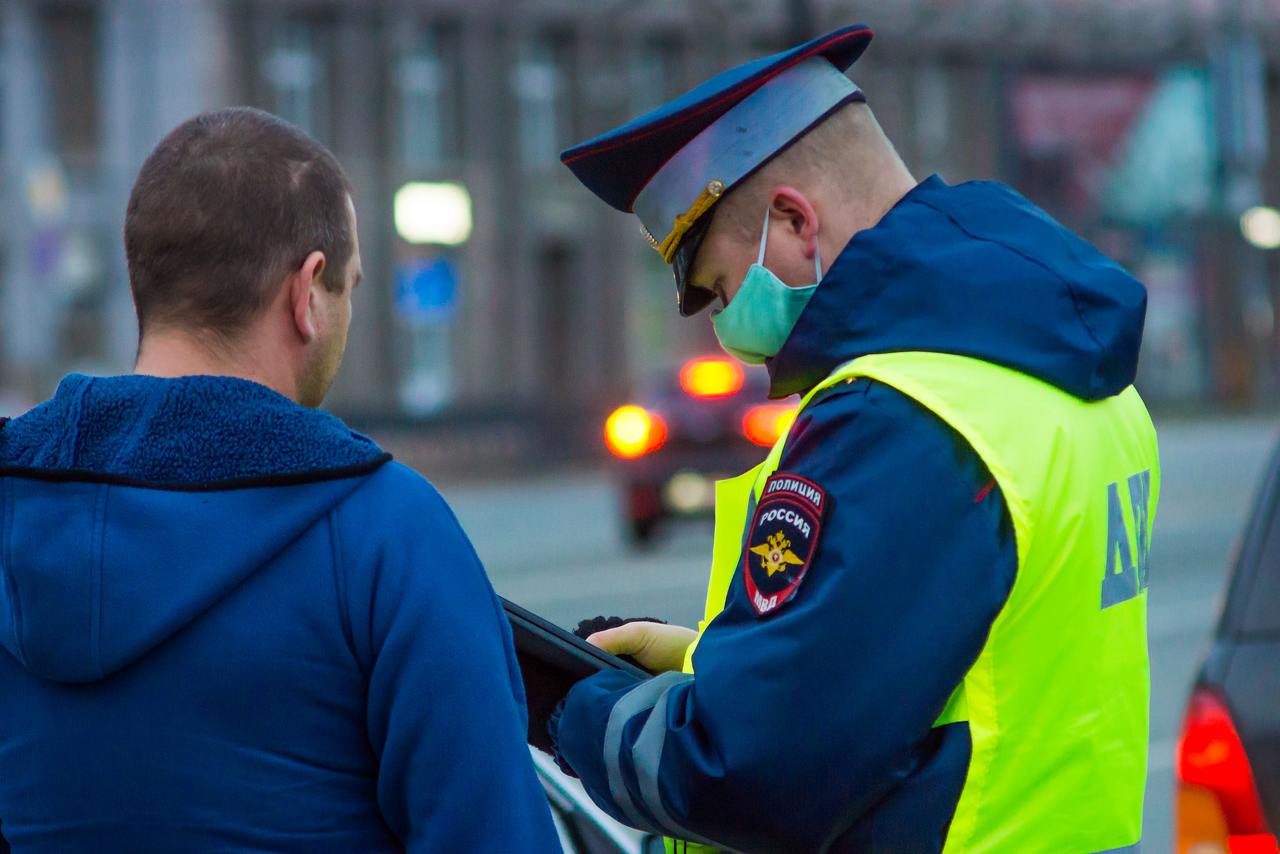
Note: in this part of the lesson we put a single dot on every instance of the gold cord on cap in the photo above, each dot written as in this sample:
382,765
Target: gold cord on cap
708,197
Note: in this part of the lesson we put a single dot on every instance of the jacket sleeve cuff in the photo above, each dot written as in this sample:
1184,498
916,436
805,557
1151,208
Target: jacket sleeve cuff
553,732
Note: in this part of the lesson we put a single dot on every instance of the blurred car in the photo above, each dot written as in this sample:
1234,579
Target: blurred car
1228,760
584,828
707,420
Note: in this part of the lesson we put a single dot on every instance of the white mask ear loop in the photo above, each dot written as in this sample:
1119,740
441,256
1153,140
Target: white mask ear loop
764,237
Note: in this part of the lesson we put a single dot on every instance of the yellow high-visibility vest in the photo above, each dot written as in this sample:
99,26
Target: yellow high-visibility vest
1057,701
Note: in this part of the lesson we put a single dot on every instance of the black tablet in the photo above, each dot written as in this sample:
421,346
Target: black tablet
552,660
561,647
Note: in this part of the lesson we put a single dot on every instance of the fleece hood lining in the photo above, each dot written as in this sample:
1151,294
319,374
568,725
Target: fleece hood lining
189,434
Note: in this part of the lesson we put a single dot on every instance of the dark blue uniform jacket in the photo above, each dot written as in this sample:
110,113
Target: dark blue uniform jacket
230,624
810,729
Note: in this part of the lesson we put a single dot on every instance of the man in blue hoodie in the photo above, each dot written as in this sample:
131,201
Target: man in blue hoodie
230,623
925,625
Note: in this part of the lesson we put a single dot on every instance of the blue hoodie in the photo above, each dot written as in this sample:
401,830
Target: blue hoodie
231,624
812,730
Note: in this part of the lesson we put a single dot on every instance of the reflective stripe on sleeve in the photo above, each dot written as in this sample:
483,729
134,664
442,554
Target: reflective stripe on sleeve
635,701
646,755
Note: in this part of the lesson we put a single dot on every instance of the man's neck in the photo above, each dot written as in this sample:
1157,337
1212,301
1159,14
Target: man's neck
878,194
887,187
174,353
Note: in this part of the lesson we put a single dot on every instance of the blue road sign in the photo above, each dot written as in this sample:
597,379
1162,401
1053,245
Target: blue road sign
426,290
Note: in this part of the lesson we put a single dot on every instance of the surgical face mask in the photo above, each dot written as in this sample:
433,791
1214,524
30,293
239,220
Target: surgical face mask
760,317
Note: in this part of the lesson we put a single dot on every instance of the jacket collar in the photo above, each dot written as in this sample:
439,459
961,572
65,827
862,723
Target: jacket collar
973,269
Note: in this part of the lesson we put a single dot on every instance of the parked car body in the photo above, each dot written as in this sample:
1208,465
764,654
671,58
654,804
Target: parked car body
1228,761
585,828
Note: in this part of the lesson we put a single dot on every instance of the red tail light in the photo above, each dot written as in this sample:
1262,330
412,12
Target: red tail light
1218,804
711,377
631,431
765,423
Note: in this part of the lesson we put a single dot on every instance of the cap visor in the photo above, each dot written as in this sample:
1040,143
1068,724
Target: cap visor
690,298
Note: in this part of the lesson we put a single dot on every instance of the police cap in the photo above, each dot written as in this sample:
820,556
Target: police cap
670,166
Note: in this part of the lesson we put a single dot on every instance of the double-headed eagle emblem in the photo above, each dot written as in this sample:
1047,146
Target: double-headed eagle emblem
776,554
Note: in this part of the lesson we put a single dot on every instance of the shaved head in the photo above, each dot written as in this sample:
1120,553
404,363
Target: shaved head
838,179
846,161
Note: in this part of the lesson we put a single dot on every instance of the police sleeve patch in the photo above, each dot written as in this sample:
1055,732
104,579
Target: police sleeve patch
782,540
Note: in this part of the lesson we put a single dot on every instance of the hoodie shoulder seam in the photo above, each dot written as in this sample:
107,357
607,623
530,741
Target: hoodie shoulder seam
1071,290
340,584
97,558
11,583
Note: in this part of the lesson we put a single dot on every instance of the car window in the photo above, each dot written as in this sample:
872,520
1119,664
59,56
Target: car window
1261,609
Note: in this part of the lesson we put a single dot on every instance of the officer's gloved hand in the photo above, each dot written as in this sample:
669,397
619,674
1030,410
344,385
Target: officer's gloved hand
587,628
546,687
652,644
594,625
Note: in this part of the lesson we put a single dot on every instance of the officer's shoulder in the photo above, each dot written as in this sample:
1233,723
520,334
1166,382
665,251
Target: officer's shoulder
860,397
859,425
864,408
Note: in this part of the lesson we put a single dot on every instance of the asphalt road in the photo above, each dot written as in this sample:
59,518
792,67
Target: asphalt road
555,545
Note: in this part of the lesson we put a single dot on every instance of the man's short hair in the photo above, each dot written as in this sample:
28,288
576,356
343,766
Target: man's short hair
225,206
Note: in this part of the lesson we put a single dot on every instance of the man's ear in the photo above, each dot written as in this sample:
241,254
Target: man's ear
302,284
792,208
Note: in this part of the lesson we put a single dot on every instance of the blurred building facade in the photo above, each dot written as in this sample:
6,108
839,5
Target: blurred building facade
1141,124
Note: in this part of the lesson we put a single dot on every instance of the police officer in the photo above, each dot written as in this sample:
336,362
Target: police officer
925,624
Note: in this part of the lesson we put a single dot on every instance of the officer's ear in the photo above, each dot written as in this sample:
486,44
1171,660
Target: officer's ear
791,209
303,305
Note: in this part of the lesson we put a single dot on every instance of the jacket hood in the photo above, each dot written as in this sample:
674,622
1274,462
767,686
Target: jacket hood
131,505
975,270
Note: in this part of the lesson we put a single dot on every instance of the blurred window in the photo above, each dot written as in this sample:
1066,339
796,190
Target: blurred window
540,80
72,57
1262,608
426,77
556,302
297,73
648,74
649,318
656,74
655,71
1068,130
